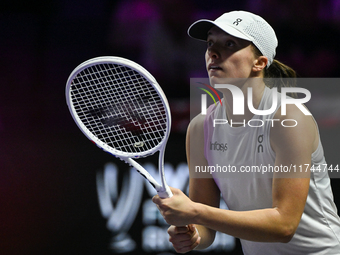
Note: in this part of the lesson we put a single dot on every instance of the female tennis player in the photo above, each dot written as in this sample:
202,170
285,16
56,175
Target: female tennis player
281,212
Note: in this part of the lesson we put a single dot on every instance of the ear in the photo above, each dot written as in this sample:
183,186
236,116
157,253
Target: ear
260,63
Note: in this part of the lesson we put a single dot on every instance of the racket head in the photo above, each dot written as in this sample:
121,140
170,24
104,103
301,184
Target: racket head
119,106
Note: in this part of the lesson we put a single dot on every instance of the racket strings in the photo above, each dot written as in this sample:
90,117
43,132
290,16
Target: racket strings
120,107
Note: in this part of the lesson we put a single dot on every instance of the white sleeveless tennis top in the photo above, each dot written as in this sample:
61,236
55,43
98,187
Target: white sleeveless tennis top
241,149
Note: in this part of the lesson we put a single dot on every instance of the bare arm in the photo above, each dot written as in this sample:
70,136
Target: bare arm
289,194
204,189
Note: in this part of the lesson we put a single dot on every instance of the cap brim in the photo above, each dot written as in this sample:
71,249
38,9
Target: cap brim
199,30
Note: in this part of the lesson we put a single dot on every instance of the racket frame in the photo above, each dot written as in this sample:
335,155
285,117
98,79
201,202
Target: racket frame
162,190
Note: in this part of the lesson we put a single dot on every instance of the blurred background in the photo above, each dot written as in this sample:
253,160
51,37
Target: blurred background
49,171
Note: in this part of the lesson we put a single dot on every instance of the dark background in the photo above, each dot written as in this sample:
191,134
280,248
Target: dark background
48,199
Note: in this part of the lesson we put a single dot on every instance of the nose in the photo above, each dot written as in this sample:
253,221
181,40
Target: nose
213,52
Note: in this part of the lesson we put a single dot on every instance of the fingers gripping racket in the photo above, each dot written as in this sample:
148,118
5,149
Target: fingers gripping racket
121,108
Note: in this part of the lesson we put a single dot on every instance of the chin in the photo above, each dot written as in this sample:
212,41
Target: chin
221,80
226,80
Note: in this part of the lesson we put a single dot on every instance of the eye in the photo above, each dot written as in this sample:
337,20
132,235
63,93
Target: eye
230,43
209,44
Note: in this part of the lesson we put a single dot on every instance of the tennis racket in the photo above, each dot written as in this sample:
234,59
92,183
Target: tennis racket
120,107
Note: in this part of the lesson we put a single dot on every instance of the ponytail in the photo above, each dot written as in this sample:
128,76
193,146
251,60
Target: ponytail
279,70
278,74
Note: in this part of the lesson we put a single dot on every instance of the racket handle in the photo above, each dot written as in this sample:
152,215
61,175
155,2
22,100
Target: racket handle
166,193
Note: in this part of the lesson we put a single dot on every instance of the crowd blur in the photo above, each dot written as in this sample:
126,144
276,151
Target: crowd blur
45,40
154,33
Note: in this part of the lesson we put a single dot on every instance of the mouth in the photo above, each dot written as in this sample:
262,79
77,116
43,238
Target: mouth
214,67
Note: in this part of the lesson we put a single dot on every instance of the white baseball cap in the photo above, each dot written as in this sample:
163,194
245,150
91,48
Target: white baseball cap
241,24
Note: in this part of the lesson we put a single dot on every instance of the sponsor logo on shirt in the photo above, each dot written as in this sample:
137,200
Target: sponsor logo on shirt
260,146
218,146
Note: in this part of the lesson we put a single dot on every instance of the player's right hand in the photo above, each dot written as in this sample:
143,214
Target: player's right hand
184,239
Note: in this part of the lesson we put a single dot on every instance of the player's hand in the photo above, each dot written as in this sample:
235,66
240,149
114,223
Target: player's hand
178,210
184,239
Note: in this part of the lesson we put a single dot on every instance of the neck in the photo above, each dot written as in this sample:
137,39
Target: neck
258,87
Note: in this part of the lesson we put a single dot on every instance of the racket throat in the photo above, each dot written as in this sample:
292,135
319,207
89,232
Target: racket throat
144,173
165,189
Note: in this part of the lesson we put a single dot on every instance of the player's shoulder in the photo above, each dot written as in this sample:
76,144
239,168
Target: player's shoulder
291,111
299,117
295,125
198,120
196,125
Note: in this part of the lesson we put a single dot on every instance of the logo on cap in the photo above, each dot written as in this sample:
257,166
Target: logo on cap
237,21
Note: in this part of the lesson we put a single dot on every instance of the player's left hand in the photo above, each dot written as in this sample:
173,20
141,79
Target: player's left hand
178,210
